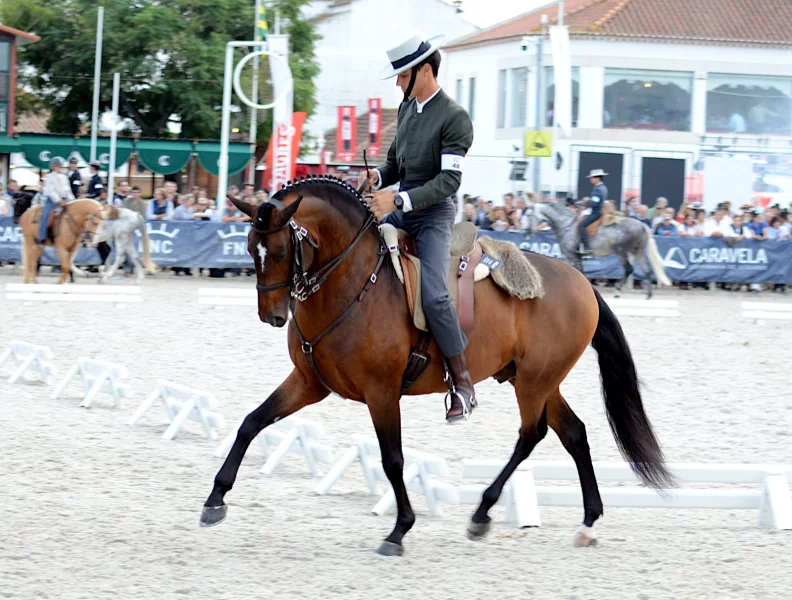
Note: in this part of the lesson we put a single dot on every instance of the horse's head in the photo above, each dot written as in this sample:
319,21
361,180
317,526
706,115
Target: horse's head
276,248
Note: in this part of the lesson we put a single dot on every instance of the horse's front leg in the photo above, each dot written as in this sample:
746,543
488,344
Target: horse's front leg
386,416
293,394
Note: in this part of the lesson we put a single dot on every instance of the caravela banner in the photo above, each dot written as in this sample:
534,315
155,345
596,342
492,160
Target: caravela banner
209,244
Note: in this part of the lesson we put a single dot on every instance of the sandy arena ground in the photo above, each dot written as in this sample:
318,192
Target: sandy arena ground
96,509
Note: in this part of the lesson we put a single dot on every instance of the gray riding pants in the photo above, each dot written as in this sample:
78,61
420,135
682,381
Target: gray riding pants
431,228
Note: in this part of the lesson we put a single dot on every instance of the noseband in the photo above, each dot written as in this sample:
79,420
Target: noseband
302,284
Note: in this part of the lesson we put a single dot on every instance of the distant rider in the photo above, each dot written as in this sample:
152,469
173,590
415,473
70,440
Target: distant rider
57,191
598,196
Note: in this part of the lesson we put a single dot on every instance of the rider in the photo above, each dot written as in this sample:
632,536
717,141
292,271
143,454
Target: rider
56,192
433,135
598,196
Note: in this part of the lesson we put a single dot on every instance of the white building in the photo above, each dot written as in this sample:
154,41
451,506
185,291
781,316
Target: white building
352,51
652,79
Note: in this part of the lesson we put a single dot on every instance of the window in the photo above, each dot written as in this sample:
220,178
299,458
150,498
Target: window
472,98
658,100
459,91
502,79
519,96
549,87
5,75
749,104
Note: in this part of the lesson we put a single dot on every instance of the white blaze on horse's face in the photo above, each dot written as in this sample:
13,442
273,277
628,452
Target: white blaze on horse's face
262,252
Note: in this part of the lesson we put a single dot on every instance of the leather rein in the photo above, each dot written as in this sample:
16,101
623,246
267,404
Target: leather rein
303,284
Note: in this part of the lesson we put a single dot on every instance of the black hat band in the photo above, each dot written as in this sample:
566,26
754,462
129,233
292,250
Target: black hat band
424,47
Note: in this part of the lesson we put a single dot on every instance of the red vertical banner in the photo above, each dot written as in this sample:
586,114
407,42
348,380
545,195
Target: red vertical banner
374,126
284,148
346,134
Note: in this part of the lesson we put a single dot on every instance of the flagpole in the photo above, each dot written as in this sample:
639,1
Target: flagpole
113,140
257,36
97,74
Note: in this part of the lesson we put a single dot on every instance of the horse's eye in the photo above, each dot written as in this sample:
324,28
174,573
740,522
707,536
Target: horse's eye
279,256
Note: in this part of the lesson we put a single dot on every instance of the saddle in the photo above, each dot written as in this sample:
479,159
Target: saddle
53,222
592,228
465,269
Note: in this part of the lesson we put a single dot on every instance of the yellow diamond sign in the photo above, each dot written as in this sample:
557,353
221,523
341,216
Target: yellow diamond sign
538,144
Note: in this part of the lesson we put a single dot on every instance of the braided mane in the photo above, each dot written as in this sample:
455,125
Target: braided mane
340,194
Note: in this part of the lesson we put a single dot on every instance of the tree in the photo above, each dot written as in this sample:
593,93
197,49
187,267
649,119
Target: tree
170,56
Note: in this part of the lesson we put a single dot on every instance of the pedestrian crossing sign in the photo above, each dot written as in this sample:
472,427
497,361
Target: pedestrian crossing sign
538,144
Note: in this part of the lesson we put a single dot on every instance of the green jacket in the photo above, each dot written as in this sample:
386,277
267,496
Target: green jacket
429,148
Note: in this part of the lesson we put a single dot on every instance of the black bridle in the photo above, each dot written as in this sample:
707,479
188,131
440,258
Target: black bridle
303,284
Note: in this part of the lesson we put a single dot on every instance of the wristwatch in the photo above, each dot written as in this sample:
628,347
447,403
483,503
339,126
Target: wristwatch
399,202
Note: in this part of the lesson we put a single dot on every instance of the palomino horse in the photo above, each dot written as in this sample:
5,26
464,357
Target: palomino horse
625,238
119,226
352,334
79,220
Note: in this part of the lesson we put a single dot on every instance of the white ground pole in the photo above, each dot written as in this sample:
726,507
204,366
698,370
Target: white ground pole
232,76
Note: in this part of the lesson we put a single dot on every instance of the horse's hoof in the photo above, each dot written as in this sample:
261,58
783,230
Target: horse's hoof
213,515
390,549
585,537
476,531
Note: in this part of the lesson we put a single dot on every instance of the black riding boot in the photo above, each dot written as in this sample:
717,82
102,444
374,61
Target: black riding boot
464,400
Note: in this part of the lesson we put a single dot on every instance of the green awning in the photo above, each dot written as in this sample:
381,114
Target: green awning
40,149
9,145
164,156
124,149
209,157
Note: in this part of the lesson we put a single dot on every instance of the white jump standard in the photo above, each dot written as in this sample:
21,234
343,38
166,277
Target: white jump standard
29,359
96,377
762,311
292,434
771,496
218,297
115,294
182,403
417,475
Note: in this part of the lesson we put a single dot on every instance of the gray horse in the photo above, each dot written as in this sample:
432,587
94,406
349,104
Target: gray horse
626,238
120,225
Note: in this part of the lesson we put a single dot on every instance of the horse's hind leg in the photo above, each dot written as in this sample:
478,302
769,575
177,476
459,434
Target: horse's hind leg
532,431
647,269
628,270
572,433
293,394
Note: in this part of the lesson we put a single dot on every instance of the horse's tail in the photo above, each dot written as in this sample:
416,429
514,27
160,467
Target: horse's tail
620,388
150,266
653,254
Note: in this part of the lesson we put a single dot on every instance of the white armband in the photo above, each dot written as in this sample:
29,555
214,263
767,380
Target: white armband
452,162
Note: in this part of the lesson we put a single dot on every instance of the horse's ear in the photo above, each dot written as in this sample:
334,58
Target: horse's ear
288,212
244,206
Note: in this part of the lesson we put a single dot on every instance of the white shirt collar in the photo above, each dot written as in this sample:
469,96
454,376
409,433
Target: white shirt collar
420,105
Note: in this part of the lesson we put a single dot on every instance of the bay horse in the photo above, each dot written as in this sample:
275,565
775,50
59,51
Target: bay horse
79,220
351,334
625,238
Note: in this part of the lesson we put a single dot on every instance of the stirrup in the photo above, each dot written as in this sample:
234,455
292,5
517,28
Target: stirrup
467,407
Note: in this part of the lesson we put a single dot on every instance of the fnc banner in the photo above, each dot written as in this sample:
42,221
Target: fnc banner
346,134
375,127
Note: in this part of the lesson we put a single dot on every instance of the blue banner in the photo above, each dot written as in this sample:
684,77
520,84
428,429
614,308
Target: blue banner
688,260
208,244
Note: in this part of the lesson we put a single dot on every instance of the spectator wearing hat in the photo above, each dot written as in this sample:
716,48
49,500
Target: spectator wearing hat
95,184
75,179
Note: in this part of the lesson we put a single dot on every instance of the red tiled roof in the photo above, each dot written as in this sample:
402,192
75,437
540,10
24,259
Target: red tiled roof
389,117
733,22
37,123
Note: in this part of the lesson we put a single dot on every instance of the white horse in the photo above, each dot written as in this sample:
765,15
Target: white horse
120,225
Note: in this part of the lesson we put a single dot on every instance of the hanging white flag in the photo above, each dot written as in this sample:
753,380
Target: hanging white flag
562,71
